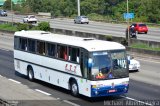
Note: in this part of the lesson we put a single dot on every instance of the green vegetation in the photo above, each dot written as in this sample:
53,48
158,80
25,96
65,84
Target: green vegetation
44,26
145,46
101,10
8,27
23,26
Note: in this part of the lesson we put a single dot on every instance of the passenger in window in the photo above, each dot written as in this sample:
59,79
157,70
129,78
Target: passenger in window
25,47
77,59
65,55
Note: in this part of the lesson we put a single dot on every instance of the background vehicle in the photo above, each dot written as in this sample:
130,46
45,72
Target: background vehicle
82,65
30,19
3,13
81,19
140,28
134,65
132,32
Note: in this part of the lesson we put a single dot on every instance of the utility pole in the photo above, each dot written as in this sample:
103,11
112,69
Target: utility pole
127,35
78,6
12,12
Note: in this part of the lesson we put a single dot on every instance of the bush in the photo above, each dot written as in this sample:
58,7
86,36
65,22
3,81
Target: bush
109,38
45,26
21,26
124,42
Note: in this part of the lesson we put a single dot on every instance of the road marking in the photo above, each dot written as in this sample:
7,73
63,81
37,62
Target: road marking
136,100
15,81
42,92
71,103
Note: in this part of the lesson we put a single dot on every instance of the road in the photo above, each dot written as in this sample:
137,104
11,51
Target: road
139,92
93,27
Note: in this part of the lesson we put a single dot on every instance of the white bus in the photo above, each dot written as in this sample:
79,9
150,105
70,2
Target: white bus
84,66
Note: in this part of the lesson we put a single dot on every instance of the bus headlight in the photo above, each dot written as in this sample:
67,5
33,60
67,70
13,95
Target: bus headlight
94,86
96,92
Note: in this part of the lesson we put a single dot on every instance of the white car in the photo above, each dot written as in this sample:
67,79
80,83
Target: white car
134,65
81,20
30,19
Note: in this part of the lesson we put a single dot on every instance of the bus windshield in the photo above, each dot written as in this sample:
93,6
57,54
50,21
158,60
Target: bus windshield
109,65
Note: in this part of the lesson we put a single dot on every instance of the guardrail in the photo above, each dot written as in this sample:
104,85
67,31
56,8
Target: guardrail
106,37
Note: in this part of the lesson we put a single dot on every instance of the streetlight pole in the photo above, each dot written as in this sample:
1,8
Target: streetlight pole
12,12
78,5
128,36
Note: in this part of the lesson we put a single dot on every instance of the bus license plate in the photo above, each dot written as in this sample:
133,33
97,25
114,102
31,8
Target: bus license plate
111,91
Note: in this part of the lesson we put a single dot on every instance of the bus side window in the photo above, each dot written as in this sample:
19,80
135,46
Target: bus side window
51,49
23,44
41,47
62,52
31,45
74,54
16,42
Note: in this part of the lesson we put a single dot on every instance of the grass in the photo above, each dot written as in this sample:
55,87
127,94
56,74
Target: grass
8,27
145,46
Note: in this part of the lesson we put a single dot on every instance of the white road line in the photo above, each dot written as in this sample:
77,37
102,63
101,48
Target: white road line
136,100
42,92
71,103
15,81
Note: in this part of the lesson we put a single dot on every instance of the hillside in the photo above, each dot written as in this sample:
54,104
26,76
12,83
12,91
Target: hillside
144,10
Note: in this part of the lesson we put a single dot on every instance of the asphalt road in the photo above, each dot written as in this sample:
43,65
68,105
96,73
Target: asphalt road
93,27
138,93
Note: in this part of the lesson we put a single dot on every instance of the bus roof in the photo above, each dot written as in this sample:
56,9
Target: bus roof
91,44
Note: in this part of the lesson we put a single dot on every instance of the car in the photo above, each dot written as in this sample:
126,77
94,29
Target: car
3,13
140,27
30,19
81,20
134,65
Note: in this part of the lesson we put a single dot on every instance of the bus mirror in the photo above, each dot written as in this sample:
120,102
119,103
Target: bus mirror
90,62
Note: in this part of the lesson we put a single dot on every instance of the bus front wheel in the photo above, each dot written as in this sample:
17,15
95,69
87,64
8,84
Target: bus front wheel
74,88
30,74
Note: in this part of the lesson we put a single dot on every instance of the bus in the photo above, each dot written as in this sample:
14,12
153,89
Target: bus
85,66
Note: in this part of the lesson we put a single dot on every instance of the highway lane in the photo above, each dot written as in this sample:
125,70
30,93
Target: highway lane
138,91
93,27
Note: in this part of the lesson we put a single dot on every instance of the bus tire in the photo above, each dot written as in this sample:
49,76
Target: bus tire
74,88
30,74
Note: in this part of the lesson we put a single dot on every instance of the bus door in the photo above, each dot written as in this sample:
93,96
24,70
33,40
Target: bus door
84,63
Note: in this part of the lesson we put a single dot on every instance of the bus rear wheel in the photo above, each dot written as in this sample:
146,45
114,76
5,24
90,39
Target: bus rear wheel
74,88
30,74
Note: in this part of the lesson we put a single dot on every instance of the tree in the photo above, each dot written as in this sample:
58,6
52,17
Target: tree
7,5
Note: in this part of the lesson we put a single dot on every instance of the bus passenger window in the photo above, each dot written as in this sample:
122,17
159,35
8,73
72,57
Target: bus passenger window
51,49
74,54
23,44
16,42
31,45
62,52
41,47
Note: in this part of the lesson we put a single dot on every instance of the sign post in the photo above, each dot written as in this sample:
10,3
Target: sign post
128,16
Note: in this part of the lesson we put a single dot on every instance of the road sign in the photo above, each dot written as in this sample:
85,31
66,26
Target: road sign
128,15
